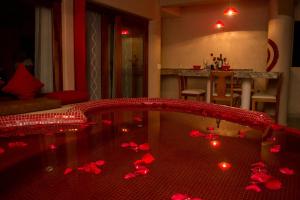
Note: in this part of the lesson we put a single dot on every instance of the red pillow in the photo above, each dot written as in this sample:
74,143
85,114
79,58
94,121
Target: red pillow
69,96
23,84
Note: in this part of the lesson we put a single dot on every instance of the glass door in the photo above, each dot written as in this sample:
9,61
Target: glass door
132,49
117,49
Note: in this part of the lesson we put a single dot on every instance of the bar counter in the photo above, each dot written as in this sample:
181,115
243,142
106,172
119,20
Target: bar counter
246,75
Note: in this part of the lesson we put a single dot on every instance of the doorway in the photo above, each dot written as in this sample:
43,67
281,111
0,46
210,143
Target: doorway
117,48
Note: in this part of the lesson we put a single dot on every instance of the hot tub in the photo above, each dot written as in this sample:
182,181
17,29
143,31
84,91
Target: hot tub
149,149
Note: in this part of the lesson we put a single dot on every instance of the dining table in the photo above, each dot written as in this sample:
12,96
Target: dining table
245,75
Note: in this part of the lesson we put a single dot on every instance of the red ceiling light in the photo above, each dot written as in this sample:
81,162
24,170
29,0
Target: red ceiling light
219,24
230,11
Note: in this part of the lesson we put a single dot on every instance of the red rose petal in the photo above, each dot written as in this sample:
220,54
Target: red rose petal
273,184
148,158
259,164
260,177
210,128
277,127
212,136
275,148
124,145
287,171
144,147
80,168
92,167
129,176
107,122
132,144
17,144
138,162
242,133
96,171
100,162
253,187
196,133
52,146
179,196
259,170
140,167
68,171
142,171
138,119
1,150
136,149
271,139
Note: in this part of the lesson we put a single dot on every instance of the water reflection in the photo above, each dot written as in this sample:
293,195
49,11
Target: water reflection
156,151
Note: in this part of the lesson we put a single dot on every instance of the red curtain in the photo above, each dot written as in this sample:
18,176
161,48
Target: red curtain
79,45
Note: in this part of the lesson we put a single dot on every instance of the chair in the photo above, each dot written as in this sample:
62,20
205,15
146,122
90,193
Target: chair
222,87
237,86
185,92
272,95
237,82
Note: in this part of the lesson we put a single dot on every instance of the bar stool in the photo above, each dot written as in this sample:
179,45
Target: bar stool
271,95
185,92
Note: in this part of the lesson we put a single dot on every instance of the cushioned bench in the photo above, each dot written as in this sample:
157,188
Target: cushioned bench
69,96
11,107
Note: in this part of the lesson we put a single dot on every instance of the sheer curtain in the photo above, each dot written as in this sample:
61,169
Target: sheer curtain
94,54
43,47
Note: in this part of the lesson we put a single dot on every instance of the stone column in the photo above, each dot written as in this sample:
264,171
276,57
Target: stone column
280,30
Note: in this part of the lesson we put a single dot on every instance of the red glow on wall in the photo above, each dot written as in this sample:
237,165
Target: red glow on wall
287,171
219,24
224,166
68,171
231,11
215,143
124,32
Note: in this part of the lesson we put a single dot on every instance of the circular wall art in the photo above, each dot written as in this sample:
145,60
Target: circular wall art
273,55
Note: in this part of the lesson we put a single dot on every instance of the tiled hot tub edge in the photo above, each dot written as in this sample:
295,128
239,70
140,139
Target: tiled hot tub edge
75,114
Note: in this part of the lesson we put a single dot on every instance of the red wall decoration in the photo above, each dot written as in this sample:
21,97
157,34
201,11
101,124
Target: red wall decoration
273,55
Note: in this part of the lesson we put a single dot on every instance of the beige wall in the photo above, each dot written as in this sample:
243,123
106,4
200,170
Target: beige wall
189,39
